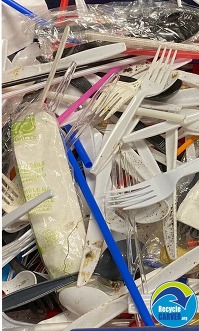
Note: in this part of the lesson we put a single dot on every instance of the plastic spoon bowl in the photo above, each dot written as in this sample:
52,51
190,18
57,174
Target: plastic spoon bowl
80,300
21,280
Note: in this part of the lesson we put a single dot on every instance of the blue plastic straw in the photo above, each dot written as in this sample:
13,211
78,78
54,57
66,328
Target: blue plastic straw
24,11
115,252
80,149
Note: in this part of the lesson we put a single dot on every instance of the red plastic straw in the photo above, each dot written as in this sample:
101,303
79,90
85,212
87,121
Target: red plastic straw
63,4
151,52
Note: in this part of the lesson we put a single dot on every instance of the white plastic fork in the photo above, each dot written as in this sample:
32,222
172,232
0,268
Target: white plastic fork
122,91
121,94
153,83
87,116
153,190
12,197
191,125
11,217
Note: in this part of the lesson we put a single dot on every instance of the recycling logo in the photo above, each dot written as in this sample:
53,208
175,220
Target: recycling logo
173,304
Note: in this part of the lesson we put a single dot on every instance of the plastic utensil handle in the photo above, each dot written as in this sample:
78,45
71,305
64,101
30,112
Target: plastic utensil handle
186,169
115,252
94,234
80,149
175,269
147,132
87,69
54,66
100,315
83,72
83,58
87,95
25,208
24,11
118,132
59,94
31,293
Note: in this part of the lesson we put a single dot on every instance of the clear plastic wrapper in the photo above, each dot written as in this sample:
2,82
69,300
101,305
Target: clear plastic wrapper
14,27
6,148
42,164
155,20
152,250
10,109
188,212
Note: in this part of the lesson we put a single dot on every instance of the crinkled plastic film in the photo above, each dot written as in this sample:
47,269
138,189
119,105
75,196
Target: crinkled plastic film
152,249
42,164
11,109
155,20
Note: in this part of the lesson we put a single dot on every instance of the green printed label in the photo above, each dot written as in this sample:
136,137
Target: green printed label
24,130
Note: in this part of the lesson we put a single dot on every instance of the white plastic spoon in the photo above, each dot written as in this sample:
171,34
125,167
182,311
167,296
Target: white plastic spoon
21,280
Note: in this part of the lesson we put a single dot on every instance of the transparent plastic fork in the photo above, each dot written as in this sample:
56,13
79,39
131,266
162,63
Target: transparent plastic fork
153,83
62,87
153,190
91,111
121,178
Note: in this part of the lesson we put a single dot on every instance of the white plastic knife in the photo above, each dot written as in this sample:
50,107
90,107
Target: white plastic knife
170,222
172,271
81,58
175,269
94,238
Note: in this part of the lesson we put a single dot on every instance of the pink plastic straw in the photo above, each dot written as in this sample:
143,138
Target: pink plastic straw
87,95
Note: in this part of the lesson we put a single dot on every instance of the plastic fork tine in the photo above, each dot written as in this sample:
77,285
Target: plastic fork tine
167,73
162,185
105,94
9,192
134,188
111,101
94,107
5,201
136,199
142,203
165,70
130,197
157,70
153,63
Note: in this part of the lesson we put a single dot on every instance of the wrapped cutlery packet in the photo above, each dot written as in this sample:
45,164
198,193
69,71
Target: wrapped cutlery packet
42,164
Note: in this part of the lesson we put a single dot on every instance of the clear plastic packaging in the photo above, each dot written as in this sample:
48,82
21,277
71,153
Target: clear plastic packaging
155,20
42,164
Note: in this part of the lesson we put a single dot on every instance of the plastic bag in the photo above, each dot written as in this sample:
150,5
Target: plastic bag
13,24
155,20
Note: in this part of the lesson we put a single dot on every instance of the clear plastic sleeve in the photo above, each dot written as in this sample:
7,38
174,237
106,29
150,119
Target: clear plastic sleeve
155,20
42,164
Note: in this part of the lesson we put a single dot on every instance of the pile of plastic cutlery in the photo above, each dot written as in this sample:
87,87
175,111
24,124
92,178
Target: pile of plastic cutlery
117,161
